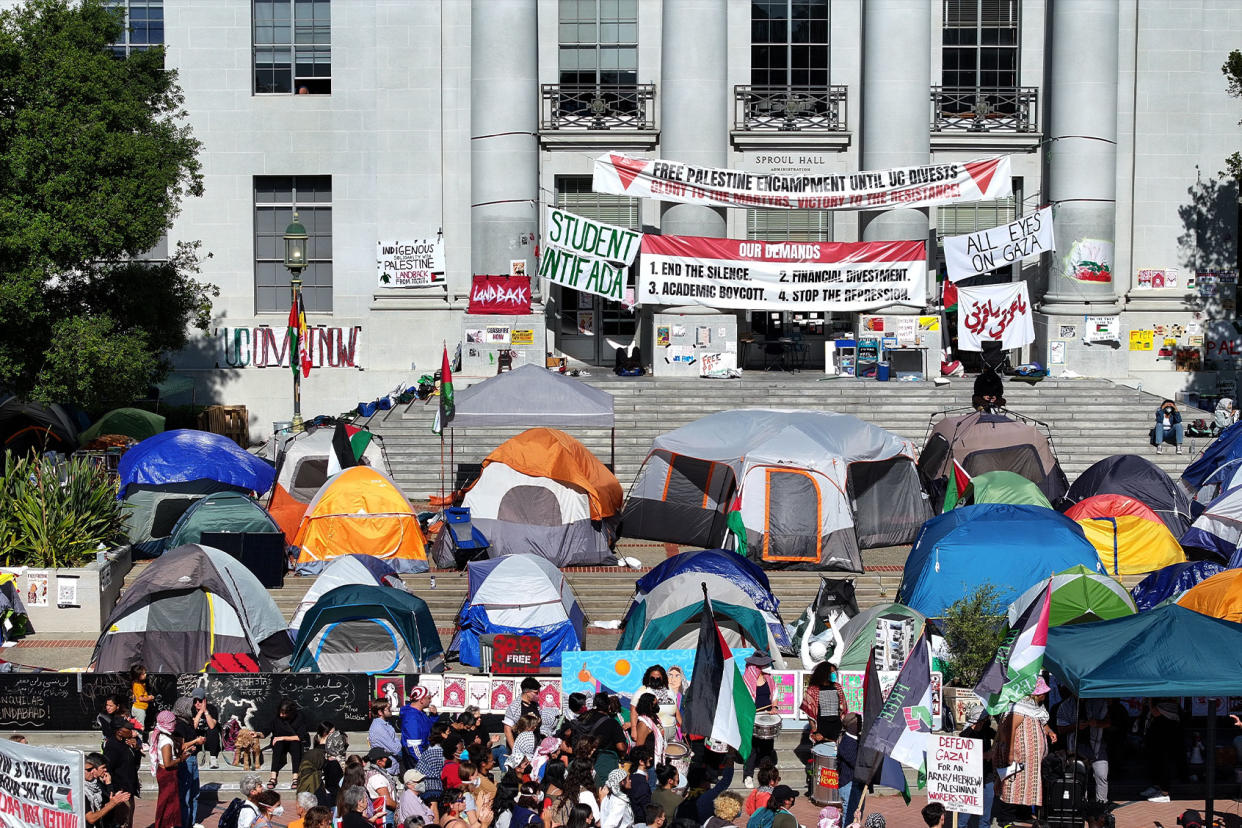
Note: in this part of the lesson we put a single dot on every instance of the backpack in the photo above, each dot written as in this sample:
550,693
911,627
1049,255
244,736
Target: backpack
762,818
232,813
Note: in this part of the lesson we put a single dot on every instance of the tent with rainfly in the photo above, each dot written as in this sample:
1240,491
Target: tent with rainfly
27,427
220,512
1223,452
343,571
1079,595
519,595
1171,582
1129,537
188,607
858,635
1003,486
1139,478
360,511
1219,596
130,422
1217,531
363,628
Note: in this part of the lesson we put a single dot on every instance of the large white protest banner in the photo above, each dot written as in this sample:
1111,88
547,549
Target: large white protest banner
977,253
955,773
586,255
927,186
809,276
996,313
41,786
418,263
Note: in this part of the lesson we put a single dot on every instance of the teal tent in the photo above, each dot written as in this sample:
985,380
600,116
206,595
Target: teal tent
131,422
370,629
220,512
678,629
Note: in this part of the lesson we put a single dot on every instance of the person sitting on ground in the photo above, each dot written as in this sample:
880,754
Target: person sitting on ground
381,787
782,799
1168,424
665,794
769,777
317,817
656,818
353,808
410,804
251,786
699,797
303,803
989,393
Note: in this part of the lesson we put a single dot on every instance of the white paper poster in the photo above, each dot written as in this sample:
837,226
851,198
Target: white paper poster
977,253
417,263
1102,329
948,183
995,313
955,773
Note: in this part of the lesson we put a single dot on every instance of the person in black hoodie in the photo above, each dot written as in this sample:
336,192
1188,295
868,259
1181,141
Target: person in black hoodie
989,394
641,760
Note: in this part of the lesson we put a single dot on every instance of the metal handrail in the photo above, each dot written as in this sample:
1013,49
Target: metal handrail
984,109
598,106
790,108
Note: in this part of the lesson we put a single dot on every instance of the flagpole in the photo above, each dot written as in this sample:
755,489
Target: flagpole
444,345
296,282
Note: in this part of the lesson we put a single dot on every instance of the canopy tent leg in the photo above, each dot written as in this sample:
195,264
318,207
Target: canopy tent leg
612,457
1209,767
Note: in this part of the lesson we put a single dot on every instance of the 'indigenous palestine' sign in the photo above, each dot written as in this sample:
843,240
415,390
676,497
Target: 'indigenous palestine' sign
586,255
808,276
418,263
926,186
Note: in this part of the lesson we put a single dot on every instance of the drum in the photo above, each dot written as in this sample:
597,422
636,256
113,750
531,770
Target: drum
716,745
767,725
824,775
678,755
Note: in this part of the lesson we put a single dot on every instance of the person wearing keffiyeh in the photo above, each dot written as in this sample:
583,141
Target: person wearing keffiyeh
615,810
758,680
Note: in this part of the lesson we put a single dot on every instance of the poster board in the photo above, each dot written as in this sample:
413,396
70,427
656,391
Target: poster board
483,338
852,684
682,340
955,773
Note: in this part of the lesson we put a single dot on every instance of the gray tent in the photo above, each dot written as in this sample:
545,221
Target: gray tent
814,487
187,607
531,396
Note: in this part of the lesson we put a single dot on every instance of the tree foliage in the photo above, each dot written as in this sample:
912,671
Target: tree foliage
1233,85
972,632
95,160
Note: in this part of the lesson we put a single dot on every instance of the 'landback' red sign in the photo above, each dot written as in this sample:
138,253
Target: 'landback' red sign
504,295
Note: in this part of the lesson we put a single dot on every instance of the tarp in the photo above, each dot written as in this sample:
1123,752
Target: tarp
1171,582
1141,479
368,629
1079,595
1225,448
220,512
1170,651
1220,596
1002,486
1218,529
531,396
131,422
185,455
1131,545
1009,546
548,452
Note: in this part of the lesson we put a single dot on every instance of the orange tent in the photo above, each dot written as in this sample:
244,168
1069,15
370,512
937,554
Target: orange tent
547,452
360,512
1219,596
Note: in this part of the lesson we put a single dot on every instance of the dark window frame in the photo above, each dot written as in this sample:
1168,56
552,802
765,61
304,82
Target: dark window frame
291,47
311,197
791,43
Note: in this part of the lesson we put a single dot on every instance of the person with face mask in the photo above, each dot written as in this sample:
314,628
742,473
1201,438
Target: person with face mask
655,683
269,809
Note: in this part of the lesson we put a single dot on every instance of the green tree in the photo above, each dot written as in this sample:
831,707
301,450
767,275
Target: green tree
972,632
1233,85
95,160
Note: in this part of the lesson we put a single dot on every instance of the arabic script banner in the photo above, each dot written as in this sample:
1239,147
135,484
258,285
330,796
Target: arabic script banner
994,312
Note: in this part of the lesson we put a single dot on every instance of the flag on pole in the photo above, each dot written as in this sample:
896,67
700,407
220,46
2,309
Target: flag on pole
873,766
956,487
718,705
348,444
444,414
901,727
1012,674
299,341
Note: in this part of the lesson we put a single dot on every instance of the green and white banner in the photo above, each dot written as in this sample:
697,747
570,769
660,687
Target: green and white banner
586,255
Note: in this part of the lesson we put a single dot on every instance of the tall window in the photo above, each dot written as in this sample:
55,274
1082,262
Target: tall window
599,42
980,44
293,46
574,193
789,43
275,199
789,225
144,25
959,219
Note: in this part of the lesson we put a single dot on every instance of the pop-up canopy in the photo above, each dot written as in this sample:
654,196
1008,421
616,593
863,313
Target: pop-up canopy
531,396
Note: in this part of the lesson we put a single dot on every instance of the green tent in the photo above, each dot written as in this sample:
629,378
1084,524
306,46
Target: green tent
131,422
1079,595
858,634
1003,487
361,628
220,512
679,629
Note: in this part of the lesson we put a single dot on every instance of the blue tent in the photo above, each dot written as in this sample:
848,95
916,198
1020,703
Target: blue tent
360,628
1011,546
1224,449
1218,528
1171,581
519,595
185,456
747,575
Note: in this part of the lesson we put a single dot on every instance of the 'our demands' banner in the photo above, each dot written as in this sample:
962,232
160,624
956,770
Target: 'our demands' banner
977,253
810,276
586,255
40,786
994,312
927,186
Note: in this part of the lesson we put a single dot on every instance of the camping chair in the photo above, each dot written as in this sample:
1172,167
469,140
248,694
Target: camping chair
994,358
468,543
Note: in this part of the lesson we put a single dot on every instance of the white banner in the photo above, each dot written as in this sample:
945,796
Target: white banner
994,312
950,183
976,253
401,264
955,773
586,255
41,786
808,276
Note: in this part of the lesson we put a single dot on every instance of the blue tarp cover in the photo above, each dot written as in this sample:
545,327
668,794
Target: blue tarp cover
184,455
1227,446
1012,546
1170,581
1170,651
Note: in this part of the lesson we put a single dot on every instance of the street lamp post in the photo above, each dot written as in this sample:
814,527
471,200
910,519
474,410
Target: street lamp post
295,260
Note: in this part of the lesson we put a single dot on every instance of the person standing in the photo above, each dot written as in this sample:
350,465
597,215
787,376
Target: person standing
165,759
122,756
187,772
1018,753
656,683
416,725
758,680
142,698
980,727
112,717
381,734
1168,424
1082,725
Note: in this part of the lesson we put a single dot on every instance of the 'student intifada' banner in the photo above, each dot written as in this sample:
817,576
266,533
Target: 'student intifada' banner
586,255
504,295
809,276
929,186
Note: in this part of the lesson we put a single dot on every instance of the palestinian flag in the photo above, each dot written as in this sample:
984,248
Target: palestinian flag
872,766
444,415
1013,672
299,341
718,705
956,487
738,527
348,444
901,727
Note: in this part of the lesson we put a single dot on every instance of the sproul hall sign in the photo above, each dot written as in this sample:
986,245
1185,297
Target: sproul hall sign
263,346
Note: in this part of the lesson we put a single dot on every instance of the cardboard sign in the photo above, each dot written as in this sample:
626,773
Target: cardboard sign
502,295
516,654
955,773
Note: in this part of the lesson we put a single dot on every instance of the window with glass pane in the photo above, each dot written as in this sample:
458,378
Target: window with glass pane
959,219
574,193
275,199
789,225
980,44
144,25
599,42
293,47
789,43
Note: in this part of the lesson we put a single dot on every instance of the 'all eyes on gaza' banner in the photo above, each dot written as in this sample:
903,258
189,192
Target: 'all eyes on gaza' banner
928,186
793,276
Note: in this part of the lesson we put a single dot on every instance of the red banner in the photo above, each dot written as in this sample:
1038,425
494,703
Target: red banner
516,654
506,295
